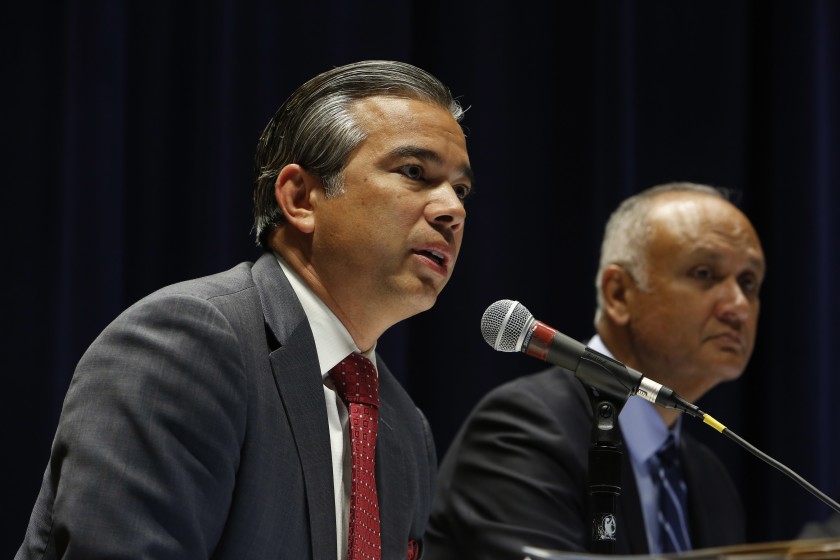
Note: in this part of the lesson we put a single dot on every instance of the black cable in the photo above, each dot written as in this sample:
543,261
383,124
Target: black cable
769,460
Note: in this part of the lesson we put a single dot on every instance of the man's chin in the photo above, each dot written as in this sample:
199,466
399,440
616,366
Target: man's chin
416,303
723,366
730,370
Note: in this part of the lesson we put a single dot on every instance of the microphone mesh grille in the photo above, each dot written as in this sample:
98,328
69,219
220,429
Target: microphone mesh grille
503,325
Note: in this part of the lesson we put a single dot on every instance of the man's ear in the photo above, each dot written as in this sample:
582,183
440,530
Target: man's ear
292,191
616,282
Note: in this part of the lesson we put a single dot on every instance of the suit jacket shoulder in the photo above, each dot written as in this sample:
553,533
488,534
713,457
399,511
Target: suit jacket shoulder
195,426
515,474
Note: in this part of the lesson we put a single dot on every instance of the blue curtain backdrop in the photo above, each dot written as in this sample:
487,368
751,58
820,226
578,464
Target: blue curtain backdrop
128,137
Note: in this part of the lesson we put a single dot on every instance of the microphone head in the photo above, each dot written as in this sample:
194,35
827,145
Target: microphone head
504,324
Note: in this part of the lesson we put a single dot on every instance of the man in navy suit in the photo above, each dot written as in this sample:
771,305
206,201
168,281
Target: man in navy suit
678,300
203,422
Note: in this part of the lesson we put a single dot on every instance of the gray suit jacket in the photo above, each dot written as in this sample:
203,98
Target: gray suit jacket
195,427
516,476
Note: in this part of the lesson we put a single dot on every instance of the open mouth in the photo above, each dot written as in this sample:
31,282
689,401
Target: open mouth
432,255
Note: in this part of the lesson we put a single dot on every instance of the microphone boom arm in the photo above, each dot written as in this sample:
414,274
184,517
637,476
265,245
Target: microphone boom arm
770,461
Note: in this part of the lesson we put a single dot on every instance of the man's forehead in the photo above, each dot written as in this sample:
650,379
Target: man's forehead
696,216
669,250
384,104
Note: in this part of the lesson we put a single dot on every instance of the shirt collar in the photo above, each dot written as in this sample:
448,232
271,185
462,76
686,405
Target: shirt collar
332,339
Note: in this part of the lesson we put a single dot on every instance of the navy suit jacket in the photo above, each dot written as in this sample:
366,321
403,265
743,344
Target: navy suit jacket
516,475
195,427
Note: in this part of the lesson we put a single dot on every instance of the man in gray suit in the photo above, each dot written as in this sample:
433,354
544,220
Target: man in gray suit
203,422
678,300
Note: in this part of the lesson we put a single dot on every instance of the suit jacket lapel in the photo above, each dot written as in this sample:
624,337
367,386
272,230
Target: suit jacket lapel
695,480
298,380
297,375
390,467
635,534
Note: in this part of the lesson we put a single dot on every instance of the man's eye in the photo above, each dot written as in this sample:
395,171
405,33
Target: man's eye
748,284
414,172
702,273
462,191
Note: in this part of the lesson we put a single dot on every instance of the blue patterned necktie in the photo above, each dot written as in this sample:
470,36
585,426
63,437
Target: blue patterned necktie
672,515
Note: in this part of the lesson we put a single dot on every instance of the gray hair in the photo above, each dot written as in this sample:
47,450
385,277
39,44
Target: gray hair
626,235
315,127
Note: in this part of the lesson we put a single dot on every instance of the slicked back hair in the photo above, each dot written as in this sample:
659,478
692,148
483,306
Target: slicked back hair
316,127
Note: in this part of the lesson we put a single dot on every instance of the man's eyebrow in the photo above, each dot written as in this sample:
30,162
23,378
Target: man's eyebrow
710,253
759,264
429,155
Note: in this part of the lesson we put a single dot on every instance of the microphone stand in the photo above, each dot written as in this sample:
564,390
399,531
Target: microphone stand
605,454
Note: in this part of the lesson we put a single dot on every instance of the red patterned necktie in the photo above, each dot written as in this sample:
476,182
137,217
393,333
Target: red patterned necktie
356,383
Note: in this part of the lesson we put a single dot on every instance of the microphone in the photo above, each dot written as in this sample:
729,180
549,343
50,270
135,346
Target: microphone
508,326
